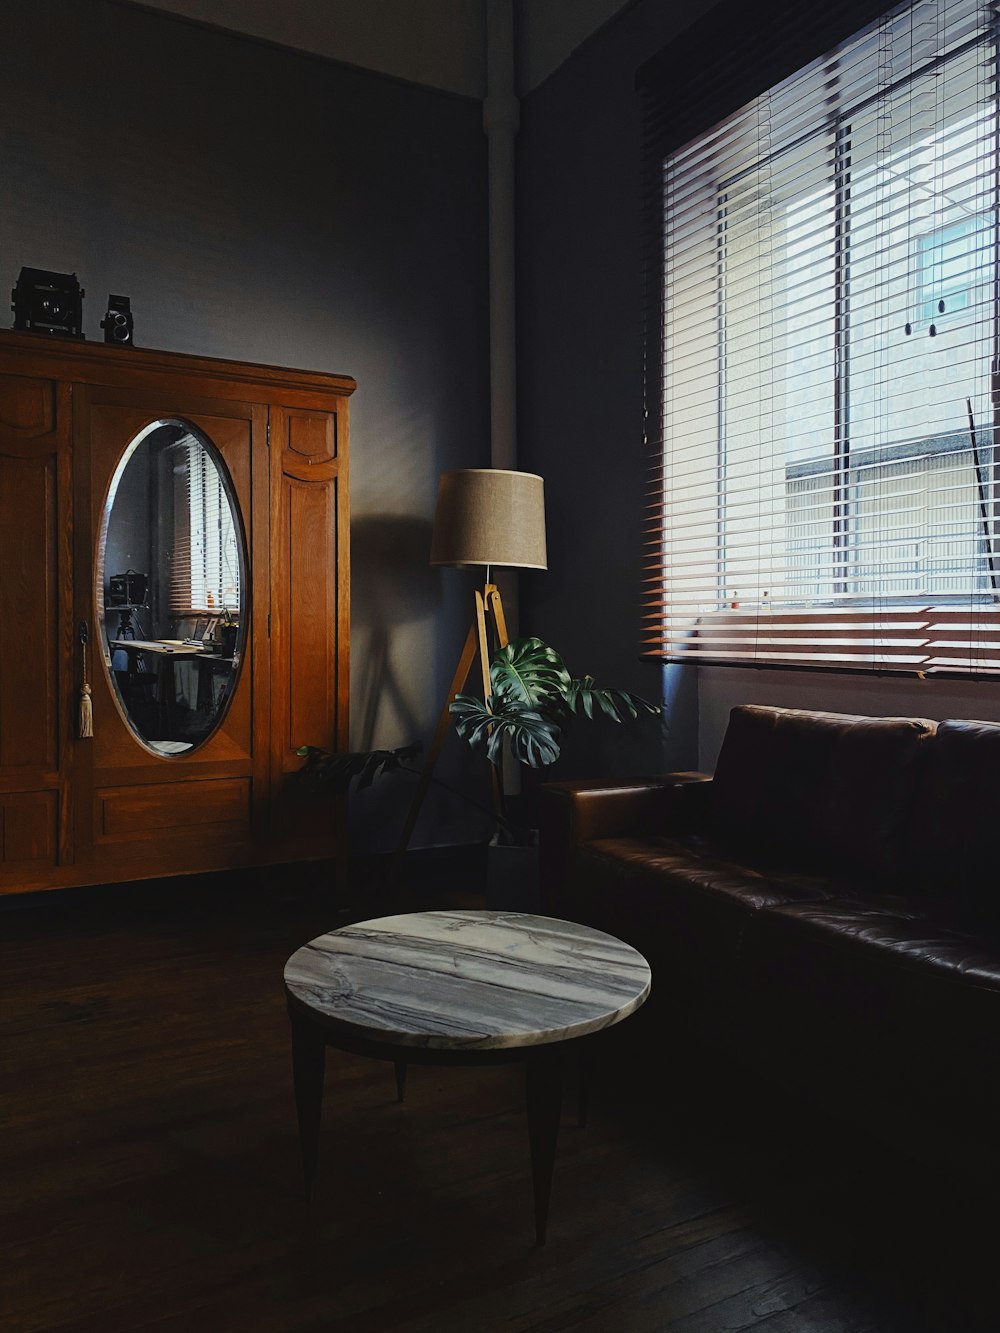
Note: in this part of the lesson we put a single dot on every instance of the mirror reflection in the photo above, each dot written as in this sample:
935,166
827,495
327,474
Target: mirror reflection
170,587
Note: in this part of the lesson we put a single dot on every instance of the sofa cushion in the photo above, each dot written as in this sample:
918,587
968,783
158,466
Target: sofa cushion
680,901
950,848
879,1013
823,792
899,938
696,866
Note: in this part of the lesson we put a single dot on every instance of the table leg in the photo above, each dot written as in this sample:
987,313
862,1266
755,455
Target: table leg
543,1084
308,1066
168,692
583,1067
400,1067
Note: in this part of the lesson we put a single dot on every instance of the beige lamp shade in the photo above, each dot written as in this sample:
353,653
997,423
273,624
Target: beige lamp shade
489,516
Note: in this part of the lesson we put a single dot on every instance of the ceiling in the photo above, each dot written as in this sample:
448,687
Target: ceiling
440,43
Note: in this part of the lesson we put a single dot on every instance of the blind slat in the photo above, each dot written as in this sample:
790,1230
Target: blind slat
820,317
205,571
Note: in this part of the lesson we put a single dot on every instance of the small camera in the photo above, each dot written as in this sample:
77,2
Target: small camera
128,589
46,302
117,323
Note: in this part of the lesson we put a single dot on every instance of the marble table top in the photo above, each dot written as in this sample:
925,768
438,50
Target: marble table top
467,979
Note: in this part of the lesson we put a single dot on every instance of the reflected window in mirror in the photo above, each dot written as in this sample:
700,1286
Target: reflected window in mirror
171,578
205,575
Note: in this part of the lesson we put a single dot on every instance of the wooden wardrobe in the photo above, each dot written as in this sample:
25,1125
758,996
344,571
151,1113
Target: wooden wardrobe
78,809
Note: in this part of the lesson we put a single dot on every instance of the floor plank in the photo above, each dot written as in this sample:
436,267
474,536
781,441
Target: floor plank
149,1173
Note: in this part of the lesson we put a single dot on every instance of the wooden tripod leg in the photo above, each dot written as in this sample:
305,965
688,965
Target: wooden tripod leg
494,606
476,644
488,603
444,722
484,643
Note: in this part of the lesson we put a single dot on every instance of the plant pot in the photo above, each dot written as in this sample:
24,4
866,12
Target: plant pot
512,877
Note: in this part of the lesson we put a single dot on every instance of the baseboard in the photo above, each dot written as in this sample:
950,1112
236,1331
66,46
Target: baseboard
455,874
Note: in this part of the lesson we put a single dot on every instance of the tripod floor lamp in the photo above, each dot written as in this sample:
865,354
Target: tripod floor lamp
484,517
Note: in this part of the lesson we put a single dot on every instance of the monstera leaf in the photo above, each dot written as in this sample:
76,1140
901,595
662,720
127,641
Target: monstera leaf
534,738
619,705
534,701
529,672
326,767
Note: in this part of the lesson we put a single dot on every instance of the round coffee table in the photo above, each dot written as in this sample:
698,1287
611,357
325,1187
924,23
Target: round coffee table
458,988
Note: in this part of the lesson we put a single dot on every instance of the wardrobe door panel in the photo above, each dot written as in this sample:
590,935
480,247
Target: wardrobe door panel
158,774
308,667
309,602
118,745
29,611
29,832
36,645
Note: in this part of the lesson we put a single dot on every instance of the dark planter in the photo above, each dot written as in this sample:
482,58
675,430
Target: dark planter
512,877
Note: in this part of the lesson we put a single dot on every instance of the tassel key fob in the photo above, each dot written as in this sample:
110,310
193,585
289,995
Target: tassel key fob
86,726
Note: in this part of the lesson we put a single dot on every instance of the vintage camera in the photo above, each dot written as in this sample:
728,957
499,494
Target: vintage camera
128,589
46,302
117,323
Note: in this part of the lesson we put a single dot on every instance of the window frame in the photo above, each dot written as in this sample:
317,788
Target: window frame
839,131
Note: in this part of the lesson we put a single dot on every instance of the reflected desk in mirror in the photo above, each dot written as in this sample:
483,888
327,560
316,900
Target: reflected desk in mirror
167,705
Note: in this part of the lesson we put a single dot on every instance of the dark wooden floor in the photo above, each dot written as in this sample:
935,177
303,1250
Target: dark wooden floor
150,1171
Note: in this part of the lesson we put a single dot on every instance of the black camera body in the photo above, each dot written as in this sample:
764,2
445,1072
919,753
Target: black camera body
127,589
46,302
117,323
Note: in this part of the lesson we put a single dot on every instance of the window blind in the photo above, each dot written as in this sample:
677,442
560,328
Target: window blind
821,356
205,572
179,461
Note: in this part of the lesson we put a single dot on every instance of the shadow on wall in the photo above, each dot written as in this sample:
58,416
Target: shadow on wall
397,604
392,587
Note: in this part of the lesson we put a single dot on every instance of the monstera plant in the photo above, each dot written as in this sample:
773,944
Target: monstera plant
533,704
340,769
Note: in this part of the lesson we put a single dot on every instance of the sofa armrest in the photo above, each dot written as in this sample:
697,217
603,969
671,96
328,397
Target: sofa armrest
574,813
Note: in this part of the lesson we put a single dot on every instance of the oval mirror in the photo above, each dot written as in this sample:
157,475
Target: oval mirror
171,587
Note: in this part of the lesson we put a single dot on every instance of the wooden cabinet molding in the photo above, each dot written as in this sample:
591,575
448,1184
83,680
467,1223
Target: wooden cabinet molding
84,811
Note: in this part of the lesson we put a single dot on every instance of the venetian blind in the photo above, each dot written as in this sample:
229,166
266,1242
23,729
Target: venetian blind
205,572
821,340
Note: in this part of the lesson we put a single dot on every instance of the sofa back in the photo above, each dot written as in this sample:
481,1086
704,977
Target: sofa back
820,792
951,846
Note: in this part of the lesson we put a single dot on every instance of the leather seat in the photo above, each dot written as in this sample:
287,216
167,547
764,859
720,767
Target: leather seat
828,903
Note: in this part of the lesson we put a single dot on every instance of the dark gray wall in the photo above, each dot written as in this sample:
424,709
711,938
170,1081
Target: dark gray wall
264,205
580,359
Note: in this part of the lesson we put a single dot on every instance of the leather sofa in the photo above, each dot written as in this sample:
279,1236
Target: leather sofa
823,912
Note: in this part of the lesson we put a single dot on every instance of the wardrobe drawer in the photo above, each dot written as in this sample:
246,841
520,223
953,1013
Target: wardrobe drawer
174,807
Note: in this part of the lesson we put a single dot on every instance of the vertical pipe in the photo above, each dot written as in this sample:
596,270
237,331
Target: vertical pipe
501,117
501,114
